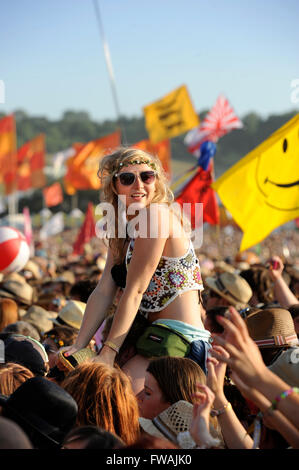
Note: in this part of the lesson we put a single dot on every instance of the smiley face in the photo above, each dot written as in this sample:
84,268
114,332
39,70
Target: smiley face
277,169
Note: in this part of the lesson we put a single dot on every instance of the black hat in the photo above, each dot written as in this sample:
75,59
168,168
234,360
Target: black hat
25,351
43,409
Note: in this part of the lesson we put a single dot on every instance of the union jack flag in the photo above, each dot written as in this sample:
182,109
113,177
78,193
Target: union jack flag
219,121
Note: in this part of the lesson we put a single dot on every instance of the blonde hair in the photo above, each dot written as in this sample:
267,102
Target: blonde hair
109,166
105,398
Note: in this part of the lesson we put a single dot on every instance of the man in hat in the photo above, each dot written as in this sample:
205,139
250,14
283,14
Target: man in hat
273,331
228,289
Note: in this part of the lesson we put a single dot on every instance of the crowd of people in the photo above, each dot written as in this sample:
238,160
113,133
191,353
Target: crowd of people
149,343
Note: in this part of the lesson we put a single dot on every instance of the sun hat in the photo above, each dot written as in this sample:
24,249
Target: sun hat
221,266
14,277
38,317
43,409
168,424
33,268
18,291
71,314
286,366
272,328
231,287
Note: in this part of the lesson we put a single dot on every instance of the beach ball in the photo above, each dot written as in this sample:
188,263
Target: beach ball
14,250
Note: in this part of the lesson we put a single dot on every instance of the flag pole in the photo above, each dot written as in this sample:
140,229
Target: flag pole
109,68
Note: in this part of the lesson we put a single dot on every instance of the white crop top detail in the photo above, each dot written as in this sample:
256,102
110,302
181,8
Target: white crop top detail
172,277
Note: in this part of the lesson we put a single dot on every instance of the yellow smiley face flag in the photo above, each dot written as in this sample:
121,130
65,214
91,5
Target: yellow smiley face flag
262,190
170,116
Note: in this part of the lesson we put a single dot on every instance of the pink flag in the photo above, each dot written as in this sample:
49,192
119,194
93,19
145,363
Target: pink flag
218,122
28,230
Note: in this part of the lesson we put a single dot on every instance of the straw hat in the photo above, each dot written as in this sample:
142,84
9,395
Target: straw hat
272,328
222,266
14,277
231,287
39,318
33,268
71,315
18,291
168,424
286,366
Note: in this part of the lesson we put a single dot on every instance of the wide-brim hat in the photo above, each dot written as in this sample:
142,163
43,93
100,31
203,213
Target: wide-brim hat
39,317
33,268
43,406
231,287
19,291
168,424
272,328
286,366
71,314
26,351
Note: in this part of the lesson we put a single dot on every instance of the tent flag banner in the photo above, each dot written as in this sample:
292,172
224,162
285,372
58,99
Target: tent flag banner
87,231
198,189
31,162
53,226
261,191
53,195
161,150
8,155
170,116
220,120
82,168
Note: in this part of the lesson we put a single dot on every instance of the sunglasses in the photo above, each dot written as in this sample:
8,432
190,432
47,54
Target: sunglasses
128,178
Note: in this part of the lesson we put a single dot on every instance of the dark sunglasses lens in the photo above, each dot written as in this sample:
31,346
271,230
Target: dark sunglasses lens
148,176
127,178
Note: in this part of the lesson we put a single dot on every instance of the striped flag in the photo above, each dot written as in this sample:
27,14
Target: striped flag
218,122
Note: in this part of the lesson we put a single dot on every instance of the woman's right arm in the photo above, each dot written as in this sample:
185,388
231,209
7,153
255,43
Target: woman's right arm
96,308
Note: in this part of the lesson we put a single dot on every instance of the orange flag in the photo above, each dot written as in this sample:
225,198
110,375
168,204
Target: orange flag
8,155
83,166
161,150
31,162
53,195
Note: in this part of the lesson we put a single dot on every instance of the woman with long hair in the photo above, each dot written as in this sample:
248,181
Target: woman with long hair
151,257
105,399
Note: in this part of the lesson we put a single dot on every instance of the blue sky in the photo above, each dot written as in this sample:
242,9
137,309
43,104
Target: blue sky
52,59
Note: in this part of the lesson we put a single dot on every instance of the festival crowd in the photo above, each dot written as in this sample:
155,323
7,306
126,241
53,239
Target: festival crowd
232,384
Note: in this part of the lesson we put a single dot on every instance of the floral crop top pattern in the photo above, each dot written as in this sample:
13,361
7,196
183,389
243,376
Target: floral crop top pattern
172,277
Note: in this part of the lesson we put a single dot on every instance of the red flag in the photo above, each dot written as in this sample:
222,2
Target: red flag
8,154
87,231
53,195
31,162
198,189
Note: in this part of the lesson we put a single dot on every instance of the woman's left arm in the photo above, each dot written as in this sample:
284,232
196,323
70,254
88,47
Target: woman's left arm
145,258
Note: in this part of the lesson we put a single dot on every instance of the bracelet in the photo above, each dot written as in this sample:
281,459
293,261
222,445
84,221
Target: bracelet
111,346
283,395
222,410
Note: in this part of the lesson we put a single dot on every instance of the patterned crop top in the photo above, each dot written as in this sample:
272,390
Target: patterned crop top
172,277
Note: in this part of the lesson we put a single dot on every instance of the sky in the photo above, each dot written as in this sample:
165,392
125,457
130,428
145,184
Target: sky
52,57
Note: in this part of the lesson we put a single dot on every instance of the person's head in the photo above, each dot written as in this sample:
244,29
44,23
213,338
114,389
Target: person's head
81,290
24,328
56,338
273,331
211,323
294,311
12,435
71,314
151,442
44,410
25,351
138,177
168,380
105,399
39,318
91,437
12,375
8,312
227,289
259,279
